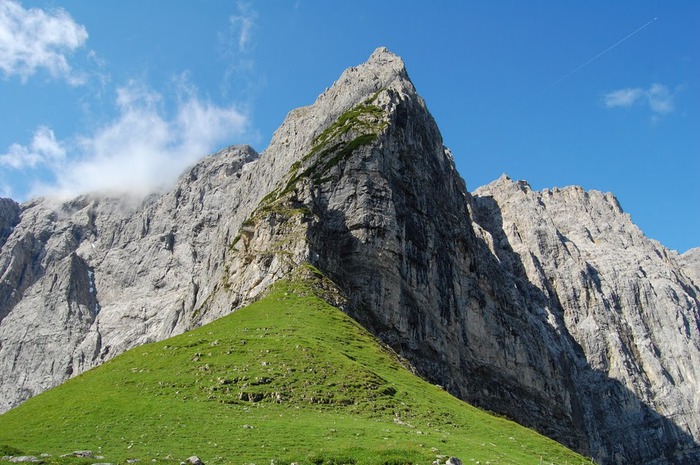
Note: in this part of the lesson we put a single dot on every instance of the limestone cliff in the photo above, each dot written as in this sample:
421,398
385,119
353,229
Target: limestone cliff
623,299
9,217
690,261
550,308
87,279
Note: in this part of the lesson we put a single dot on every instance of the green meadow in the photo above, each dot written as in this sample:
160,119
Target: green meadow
287,379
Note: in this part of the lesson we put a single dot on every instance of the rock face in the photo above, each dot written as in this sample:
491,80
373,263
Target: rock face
625,302
9,217
549,307
87,279
690,261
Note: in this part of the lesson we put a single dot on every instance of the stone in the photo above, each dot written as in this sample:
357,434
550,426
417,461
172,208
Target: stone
622,300
690,263
453,461
9,218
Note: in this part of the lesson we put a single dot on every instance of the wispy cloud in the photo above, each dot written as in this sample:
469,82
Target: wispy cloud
657,97
242,25
44,149
151,137
623,97
660,99
236,45
32,39
144,148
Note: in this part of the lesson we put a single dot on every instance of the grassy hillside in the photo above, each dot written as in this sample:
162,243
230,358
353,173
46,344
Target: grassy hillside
286,379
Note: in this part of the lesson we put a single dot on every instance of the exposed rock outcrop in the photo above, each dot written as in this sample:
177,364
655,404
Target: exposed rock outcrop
88,279
623,300
9,217
690,262
550,307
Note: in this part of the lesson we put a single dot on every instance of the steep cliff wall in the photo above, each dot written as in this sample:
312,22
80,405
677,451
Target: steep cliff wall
87,279
622,298
551,308
690,262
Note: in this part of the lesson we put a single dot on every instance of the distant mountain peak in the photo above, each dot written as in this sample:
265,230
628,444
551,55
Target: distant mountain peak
382,56
382,70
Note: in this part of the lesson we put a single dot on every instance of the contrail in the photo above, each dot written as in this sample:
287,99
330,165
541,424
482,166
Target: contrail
578,68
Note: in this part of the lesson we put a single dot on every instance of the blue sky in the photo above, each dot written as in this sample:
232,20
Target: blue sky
124,95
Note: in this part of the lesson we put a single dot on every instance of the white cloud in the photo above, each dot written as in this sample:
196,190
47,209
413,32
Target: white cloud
242,25
658,97
142,150
44,149
623,97
236,47
34,38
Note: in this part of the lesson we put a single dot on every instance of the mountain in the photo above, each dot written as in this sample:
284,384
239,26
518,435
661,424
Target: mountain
549,307
625,302
268,383
690,261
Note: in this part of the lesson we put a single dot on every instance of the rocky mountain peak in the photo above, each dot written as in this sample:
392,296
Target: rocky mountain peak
585,215
383,70
506,182
383,57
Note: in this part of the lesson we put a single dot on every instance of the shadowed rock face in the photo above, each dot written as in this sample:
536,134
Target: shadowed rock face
9,217
549,307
